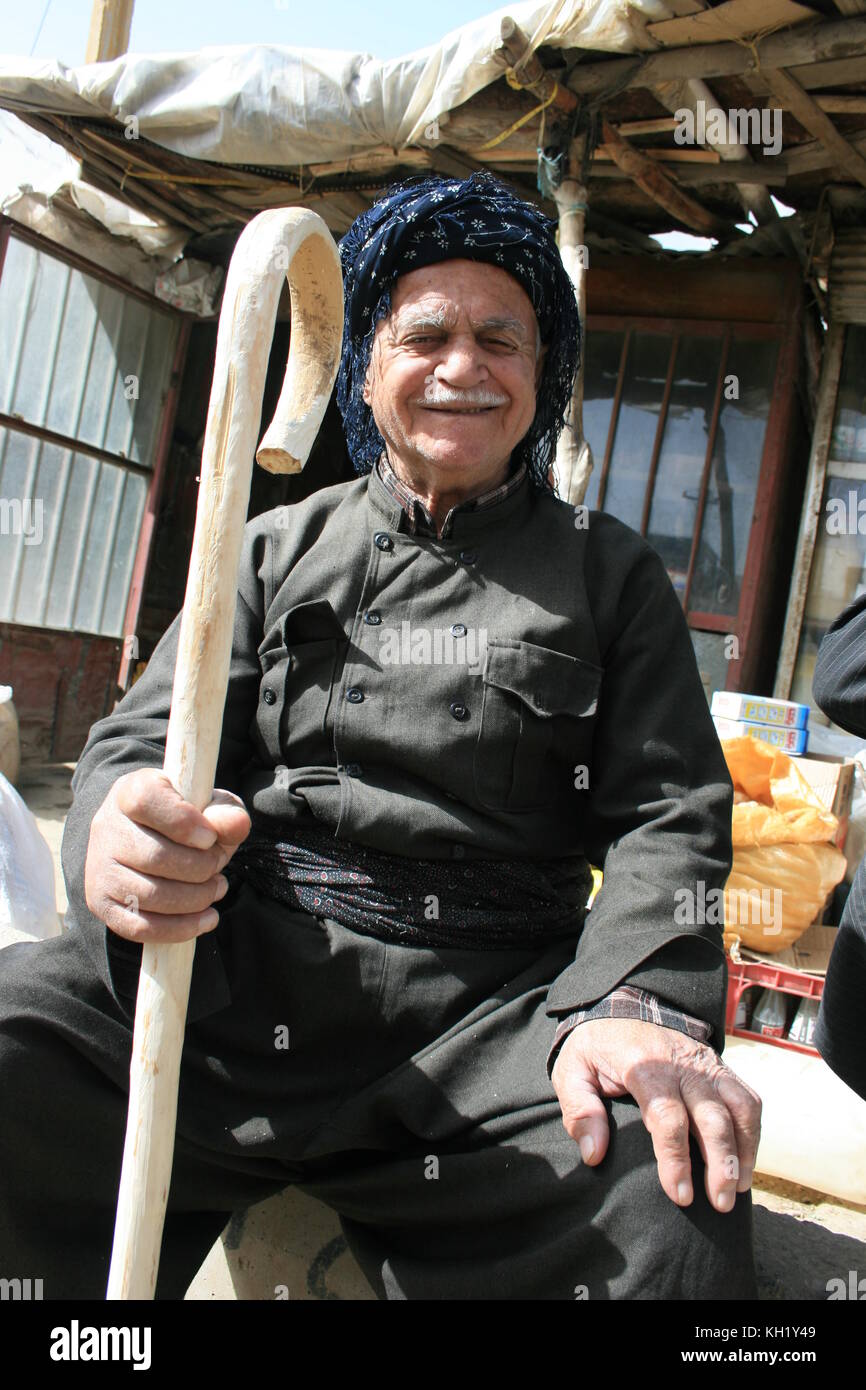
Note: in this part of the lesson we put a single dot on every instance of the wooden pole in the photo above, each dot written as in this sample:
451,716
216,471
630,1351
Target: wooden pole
110,26
281,243
791,47
573,455
573,465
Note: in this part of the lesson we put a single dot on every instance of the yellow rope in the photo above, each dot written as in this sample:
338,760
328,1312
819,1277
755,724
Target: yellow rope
756,38
513,82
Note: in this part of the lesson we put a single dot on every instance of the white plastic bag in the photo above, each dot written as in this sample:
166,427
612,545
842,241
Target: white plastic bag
27,904
10,743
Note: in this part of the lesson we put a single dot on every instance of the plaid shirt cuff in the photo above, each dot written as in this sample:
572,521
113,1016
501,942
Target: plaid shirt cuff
628,1002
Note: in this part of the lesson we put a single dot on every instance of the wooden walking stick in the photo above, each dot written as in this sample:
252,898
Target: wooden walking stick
293,243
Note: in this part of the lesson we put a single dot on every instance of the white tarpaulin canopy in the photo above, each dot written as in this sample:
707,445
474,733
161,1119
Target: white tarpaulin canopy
282,106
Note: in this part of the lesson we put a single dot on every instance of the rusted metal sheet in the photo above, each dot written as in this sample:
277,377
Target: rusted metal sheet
847,279
62,682
748,292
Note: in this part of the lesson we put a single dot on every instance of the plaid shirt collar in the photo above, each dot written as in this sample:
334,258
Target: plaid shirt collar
419,519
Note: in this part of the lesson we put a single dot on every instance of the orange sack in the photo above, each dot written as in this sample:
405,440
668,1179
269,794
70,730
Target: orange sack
784,865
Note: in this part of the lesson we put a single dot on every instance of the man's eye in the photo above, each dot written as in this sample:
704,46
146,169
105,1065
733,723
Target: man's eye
498,343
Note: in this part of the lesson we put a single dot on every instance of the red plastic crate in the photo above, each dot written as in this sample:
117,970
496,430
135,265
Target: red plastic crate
749,974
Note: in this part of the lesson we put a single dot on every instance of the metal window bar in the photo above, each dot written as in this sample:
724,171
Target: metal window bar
718,328
705,475
614,419
659,436
66,441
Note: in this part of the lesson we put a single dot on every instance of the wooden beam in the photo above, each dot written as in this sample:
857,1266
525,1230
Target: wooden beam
842,103
662,155
813,154
110,25
836,72
661,125
372,162
681,7
732,19
193,185
698,174
657,185
807,43
753,196
455,164
527,67
104,175
788,91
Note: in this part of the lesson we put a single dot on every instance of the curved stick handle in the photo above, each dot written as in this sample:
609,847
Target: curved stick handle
286,242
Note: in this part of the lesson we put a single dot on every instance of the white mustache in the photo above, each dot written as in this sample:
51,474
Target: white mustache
435,394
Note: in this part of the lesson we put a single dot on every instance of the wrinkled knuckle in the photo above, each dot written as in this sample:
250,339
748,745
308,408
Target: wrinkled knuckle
202,867
754,1116
217,857
133,788
686,1051
203,896
666,1113
716,1126
151,858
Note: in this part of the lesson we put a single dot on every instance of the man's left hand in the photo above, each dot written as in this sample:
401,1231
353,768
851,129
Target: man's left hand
679,1085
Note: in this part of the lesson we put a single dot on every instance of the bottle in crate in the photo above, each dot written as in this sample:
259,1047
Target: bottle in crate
770,1018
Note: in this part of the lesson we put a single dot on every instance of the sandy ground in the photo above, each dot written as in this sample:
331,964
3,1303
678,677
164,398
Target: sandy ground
803,1238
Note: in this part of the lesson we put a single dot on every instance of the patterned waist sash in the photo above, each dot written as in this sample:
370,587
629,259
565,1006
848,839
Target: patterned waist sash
479,904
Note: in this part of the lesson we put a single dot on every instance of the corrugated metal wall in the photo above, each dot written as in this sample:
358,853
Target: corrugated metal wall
847,279
87,365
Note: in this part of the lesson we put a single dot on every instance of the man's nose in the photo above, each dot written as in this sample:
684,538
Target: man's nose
461,362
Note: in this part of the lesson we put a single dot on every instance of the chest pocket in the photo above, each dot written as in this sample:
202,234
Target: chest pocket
538,711
299,659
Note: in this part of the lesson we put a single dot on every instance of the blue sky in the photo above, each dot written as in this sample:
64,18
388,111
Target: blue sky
385,28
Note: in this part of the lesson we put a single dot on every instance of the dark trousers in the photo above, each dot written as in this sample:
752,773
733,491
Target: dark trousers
412,1098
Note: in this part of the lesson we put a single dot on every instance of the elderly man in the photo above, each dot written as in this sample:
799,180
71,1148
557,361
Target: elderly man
450,694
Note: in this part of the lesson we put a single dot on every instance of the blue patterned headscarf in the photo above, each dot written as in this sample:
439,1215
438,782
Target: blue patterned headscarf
422,222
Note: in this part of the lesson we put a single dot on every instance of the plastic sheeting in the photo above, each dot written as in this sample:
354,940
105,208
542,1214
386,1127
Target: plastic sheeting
27,903
41,187
283,106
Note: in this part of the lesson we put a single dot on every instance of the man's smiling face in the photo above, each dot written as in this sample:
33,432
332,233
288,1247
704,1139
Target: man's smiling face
454,371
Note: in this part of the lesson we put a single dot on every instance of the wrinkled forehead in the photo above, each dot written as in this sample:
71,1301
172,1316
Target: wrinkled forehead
459,291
